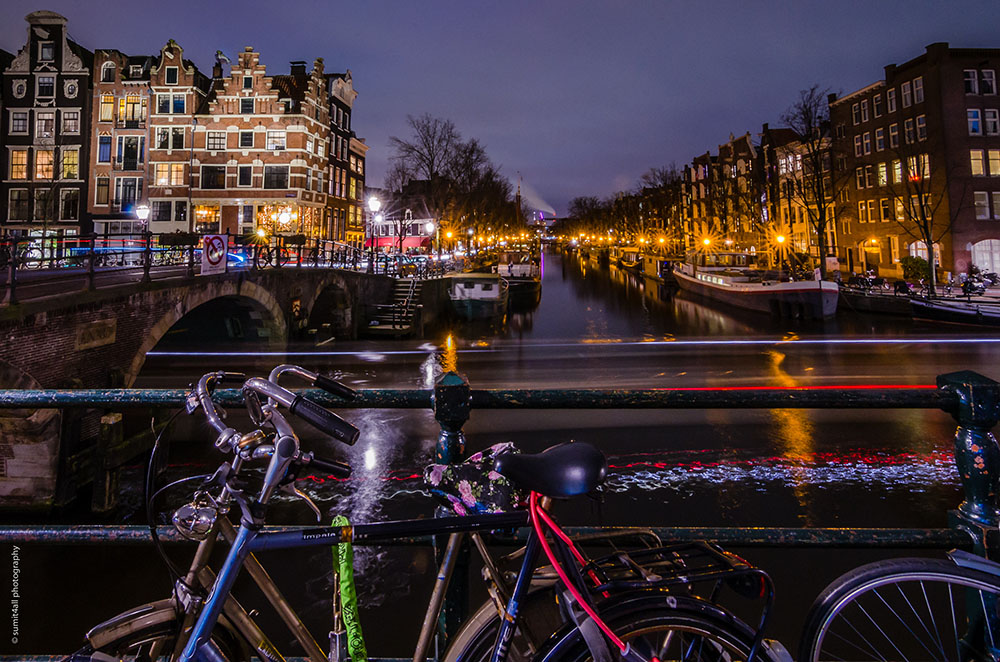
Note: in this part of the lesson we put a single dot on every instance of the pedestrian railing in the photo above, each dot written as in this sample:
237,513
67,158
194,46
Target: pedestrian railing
973,400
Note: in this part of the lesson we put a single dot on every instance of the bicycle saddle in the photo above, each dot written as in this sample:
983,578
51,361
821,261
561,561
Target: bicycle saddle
560,471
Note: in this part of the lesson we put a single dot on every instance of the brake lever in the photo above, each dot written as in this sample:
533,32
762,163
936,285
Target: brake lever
291,490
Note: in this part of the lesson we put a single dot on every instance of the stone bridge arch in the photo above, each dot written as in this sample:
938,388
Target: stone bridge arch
331,305
246,290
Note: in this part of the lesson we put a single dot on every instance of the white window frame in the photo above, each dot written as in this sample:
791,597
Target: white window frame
42,45
239,170
864,110
991,76
62,121
877,106
918,89
977,162
921,128
38,85
176,75
991,121
893,136
974,118
62,198
879,139
993,159
909,131
107,66
212,138
27,122
970,78
996,205
866,141
858,148
981,203
890,100
277,140
906,94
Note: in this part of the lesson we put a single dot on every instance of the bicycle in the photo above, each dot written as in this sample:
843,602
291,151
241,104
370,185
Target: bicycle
908,609
644,603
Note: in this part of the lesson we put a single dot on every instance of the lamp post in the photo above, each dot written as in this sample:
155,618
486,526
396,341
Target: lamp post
431,229
142,213
374,204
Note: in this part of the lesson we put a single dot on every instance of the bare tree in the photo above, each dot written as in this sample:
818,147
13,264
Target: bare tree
815,188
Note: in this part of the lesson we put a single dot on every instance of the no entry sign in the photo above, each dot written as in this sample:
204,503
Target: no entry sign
215,247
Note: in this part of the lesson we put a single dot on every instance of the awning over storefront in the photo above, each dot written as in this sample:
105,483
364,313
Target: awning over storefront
393,242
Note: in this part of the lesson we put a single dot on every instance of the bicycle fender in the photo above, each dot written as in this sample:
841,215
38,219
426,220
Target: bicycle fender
965,559
626,603
137,618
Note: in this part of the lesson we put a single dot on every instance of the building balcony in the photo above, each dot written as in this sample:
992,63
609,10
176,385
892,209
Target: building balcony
130,124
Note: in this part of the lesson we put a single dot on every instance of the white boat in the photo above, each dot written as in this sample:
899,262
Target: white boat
478,295
522,271
730,278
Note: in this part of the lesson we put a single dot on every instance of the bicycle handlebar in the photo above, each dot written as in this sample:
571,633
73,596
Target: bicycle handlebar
316,415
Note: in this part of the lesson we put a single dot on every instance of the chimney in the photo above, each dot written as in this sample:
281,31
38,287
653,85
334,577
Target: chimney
217,70
298,68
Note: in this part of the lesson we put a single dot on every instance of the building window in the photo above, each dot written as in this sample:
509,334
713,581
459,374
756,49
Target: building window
893,136
918,89
46,86
43,164
879,140
45,124
161,175
276,177
925,165
908,132
19,164
19,121
858,148
864,110
862,212
883,174
177,138
246,139
71,121
975,126
69,209
275,140
982,203
178,105
869,176
867,140
900,210
43,200
989,82
897,171
163,103
171,76
169,174
131,108
859,176
160,212
992,124
907,94
163,138
246,106
135,70
213,177
921,127
971,81
886,210
248,82
17,208
996,205
890,101
70,164
102,191
108,72
877,105
245,176
180,212
176,174
216,140
976,161
46,51
994,158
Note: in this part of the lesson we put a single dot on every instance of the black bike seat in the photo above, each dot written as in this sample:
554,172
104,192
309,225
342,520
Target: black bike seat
560,471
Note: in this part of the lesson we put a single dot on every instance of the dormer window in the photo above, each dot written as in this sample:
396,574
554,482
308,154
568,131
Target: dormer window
135,70
108,72
46,51
171,76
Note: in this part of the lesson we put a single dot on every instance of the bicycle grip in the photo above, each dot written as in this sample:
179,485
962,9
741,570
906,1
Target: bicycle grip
324,420
334,387
332,467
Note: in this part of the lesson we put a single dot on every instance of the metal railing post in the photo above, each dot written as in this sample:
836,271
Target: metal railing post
91,255
147,256
451,401
190,267
977,454
12,272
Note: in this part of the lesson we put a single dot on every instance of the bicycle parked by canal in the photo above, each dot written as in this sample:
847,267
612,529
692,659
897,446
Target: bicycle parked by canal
647,603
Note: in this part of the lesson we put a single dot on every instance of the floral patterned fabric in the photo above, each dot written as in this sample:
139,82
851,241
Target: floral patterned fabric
473,487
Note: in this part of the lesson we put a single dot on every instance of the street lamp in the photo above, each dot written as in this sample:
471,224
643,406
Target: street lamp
374,204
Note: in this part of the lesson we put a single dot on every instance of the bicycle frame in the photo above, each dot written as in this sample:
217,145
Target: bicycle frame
247,541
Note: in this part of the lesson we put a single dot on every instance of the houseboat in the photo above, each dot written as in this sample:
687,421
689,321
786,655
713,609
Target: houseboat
477,295
522,271
732,279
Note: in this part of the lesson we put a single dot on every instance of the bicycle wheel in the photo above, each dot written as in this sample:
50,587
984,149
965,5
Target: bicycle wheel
905,609
156,642
475,639
670,628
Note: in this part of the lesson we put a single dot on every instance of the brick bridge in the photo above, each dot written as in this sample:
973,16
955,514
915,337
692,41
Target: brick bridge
98,339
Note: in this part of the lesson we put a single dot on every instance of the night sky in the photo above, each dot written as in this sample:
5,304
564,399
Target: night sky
581,97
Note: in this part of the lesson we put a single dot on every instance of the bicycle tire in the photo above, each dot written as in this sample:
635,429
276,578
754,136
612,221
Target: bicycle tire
669,627
907,609
156,642
683,629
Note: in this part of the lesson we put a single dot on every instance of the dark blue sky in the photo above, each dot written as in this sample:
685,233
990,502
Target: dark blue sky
581,97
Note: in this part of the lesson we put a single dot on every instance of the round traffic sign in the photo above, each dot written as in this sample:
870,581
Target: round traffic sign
215,250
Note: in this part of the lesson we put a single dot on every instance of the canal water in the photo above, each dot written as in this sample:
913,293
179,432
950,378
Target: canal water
593,328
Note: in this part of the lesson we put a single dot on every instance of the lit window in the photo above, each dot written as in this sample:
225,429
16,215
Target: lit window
43,164
176,174
897,171
162,176
71,164
883,174
45,125
976,161
102,190
994,158
19,164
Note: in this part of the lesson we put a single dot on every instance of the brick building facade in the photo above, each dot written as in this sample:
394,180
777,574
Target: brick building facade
45,99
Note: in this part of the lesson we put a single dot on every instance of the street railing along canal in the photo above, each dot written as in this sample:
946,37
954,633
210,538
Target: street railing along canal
973,400
178,254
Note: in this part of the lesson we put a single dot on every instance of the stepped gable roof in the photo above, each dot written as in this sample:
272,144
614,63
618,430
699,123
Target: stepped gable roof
291,87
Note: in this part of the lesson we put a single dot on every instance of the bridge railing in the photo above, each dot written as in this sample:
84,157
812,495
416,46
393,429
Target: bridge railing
973,400
84,261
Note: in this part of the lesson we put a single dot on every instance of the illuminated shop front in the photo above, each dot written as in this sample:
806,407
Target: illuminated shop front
291,219
207,219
